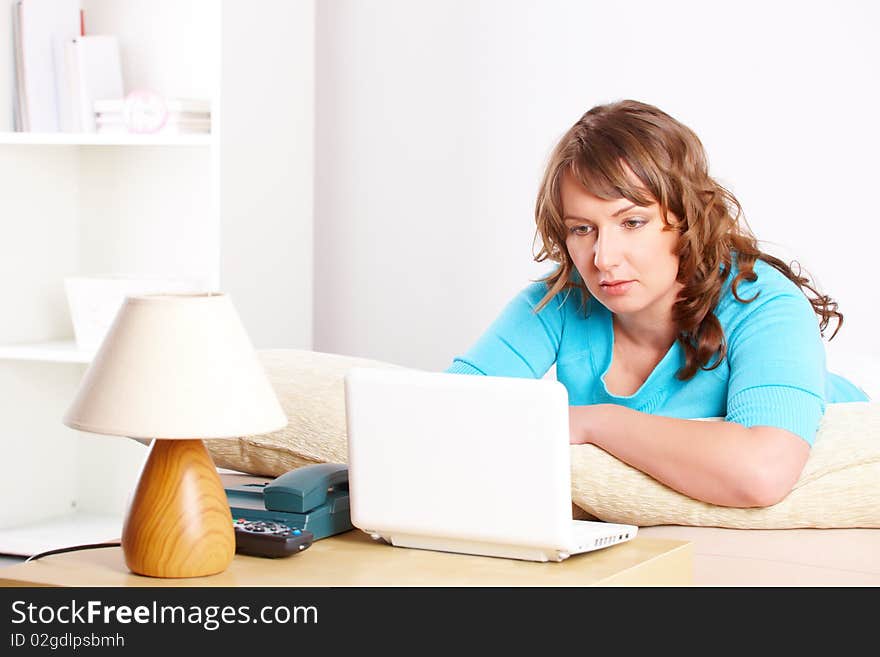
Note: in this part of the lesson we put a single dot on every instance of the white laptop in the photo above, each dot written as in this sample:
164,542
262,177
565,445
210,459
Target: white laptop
470,464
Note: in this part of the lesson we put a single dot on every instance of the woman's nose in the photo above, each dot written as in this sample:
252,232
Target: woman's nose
606,252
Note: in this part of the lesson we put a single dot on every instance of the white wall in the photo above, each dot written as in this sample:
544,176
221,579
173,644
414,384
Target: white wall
435,119
268,117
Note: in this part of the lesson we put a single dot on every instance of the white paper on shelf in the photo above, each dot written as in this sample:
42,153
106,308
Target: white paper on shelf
45,26
64,531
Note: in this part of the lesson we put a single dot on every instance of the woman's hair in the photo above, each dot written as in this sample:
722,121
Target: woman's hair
602,151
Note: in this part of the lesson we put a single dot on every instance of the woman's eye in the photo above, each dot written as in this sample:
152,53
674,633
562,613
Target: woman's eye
580,230
634,223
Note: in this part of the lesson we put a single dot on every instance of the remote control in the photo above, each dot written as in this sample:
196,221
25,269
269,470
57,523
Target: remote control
262,538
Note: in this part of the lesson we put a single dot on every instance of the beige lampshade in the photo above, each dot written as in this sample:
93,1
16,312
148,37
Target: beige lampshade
176,366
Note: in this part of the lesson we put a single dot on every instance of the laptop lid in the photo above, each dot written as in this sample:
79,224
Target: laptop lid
458,456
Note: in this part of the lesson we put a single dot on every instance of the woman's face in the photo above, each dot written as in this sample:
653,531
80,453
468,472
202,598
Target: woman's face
621,251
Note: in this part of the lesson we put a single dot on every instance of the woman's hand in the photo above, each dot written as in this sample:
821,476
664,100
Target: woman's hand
586,423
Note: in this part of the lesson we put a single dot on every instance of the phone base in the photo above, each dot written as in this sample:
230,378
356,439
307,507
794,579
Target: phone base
328,519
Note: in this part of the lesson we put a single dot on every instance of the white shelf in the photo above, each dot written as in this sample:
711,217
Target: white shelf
60,351
95,139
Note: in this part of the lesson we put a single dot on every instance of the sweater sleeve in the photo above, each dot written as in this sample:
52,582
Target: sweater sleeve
520,342
777,367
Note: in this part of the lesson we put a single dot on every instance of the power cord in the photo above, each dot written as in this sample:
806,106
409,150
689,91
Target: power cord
74,548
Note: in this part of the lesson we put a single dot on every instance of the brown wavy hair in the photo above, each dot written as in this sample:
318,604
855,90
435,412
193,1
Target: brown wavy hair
602,151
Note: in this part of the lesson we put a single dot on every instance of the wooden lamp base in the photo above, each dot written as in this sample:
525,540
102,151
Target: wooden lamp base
179,524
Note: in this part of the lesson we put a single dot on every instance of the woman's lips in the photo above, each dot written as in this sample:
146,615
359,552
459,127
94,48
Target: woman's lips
616,289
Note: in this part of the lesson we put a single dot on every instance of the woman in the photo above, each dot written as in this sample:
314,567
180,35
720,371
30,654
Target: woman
662,307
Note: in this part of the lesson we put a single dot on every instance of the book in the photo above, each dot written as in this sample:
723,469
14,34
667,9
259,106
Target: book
114,119
20,107
169,128
44,25
93,71
187,119
146,112
192,105
68,111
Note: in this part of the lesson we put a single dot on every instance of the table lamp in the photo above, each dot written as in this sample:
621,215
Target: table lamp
177,368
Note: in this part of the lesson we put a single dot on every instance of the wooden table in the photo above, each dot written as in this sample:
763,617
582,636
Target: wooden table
353,559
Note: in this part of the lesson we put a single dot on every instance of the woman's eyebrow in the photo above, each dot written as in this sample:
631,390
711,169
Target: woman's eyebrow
616,214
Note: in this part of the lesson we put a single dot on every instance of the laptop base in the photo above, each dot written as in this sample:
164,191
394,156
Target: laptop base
472,547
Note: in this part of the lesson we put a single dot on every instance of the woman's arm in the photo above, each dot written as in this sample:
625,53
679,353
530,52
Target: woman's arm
520,342
721,463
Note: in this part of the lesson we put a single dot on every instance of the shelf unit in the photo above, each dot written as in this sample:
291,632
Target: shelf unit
53,351
229,211
76,139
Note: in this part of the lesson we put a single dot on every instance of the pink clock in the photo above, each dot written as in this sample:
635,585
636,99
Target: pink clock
144,112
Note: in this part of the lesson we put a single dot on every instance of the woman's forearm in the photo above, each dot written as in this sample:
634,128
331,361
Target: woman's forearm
718,462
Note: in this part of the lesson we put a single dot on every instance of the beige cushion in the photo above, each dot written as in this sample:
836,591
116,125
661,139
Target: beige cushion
839,487
309,385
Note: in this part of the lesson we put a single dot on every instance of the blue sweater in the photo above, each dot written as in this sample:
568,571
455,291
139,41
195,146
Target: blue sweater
774,373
